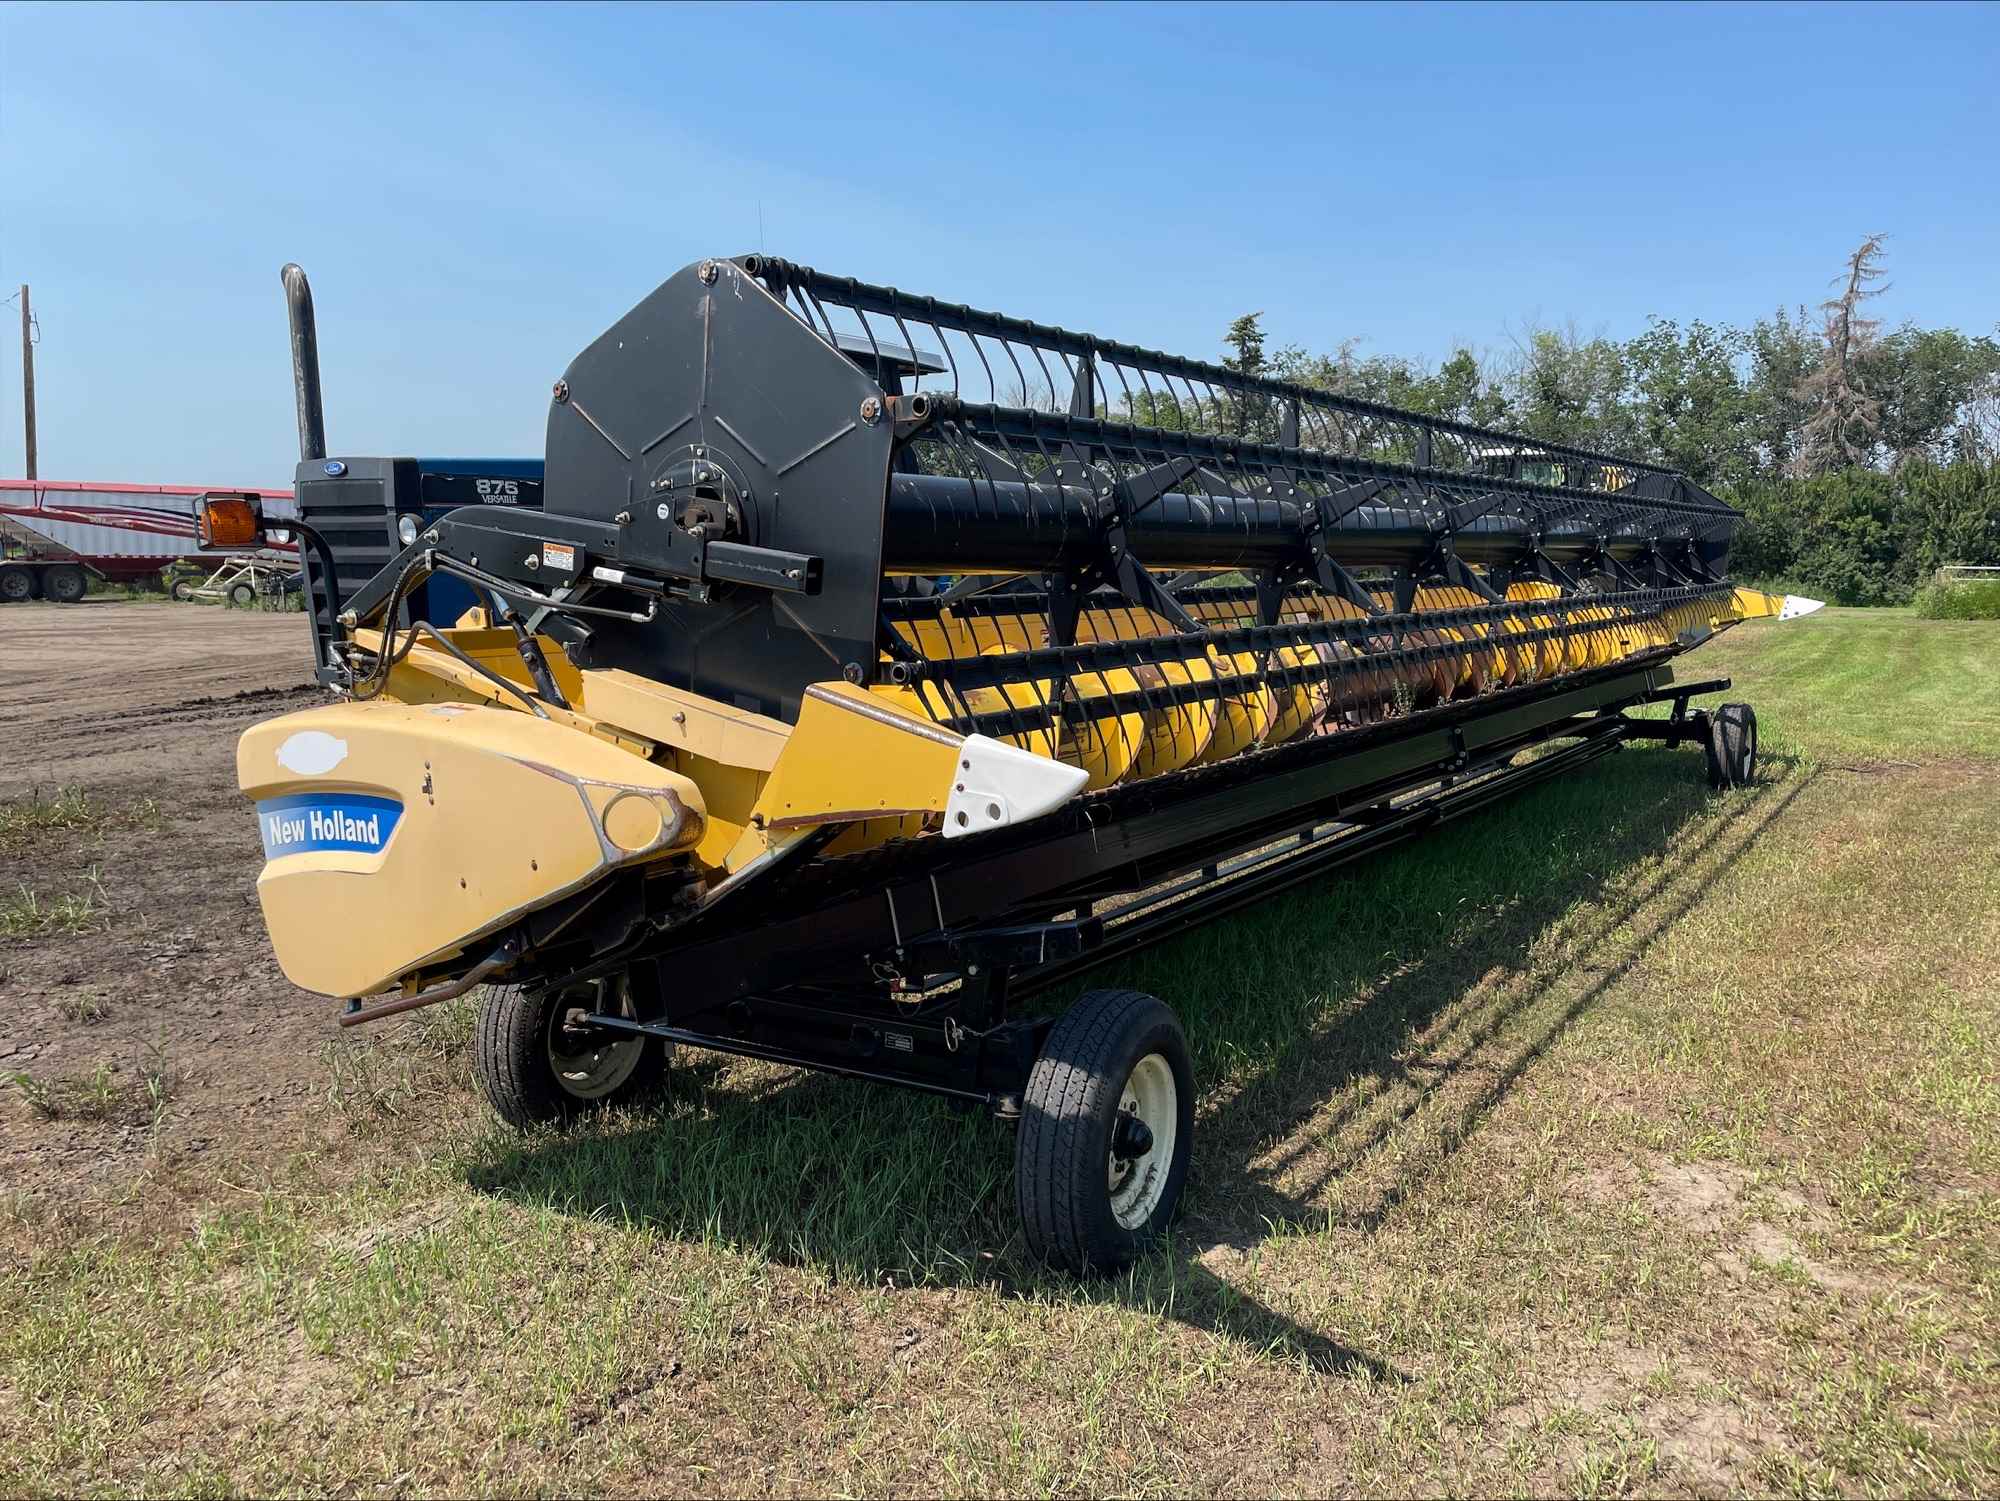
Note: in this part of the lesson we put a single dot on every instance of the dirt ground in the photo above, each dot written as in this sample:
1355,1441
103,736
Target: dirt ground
139,706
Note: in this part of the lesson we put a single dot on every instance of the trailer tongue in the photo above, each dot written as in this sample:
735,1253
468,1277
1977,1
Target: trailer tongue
871,662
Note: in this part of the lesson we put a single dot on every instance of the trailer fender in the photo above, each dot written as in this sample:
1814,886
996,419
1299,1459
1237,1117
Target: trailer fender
397,835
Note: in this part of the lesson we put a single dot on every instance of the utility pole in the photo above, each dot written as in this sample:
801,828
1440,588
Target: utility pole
28,379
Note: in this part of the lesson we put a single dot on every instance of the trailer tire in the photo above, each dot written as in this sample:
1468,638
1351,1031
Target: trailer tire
1732,746
1710,760
64,585
536,1069
1092,1192
243,595
182,590
17,585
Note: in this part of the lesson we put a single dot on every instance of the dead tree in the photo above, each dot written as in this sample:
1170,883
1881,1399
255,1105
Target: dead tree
1844,419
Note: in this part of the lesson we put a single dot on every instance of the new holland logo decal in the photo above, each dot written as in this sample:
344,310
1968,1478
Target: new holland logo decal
326,821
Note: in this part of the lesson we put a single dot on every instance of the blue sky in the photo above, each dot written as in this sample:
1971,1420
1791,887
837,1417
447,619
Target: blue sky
477,191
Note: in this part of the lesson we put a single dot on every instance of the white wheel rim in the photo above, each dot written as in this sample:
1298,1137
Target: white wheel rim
590,1063
1137,1184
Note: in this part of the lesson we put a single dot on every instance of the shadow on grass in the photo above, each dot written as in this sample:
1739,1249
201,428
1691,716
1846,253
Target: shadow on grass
1463,1036
1327,1018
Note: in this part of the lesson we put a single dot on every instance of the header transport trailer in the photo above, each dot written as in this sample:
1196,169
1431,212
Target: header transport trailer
868,663
56,535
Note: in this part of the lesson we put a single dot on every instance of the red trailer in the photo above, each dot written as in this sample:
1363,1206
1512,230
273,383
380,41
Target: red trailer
56,535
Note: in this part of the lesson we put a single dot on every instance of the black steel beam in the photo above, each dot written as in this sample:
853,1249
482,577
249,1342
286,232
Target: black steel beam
1116,842
1219,895
926,1049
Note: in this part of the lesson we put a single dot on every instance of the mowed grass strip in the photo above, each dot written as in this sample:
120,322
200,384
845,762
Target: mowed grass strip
1877,684
1626,1138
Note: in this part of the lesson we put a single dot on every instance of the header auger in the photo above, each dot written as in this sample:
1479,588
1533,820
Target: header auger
856,663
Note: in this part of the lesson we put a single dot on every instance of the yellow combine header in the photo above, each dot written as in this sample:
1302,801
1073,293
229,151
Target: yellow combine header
857,664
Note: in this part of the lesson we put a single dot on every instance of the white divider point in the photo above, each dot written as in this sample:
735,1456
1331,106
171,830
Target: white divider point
996,785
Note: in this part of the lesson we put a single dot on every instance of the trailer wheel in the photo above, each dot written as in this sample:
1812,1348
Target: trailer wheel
536,1064
64,585
1107,1127
183,590
17,585
243,595
1732,746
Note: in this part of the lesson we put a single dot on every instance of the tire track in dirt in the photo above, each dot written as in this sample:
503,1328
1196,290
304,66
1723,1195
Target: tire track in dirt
242,707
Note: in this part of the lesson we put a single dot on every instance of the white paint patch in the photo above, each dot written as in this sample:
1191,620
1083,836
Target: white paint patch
312,753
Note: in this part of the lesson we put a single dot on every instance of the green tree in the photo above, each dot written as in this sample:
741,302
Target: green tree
1851,537
1927,379
1246,341
1567,389
1950,513
1247,414
1779,352
1688,406
1168,409
1865,536
1463,390
1765,547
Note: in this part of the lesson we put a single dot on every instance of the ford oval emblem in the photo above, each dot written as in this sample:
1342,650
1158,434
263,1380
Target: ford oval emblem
334,467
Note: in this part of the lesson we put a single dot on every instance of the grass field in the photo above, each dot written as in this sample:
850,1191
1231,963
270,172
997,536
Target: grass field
1869,684
1625,1138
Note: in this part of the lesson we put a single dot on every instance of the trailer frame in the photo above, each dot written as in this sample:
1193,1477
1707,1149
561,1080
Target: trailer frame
939,1011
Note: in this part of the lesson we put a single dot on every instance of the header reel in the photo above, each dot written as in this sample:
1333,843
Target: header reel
757,476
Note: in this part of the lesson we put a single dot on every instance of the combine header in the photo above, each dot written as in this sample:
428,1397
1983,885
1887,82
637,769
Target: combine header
861,664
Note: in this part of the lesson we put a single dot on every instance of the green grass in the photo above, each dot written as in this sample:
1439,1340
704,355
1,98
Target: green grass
65,809
29,913
142,593
1978,600
63,815
1878,684
1627,1138
105,1092
54,828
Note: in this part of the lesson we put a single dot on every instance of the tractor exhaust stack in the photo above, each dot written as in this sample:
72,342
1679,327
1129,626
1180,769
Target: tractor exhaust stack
305,364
